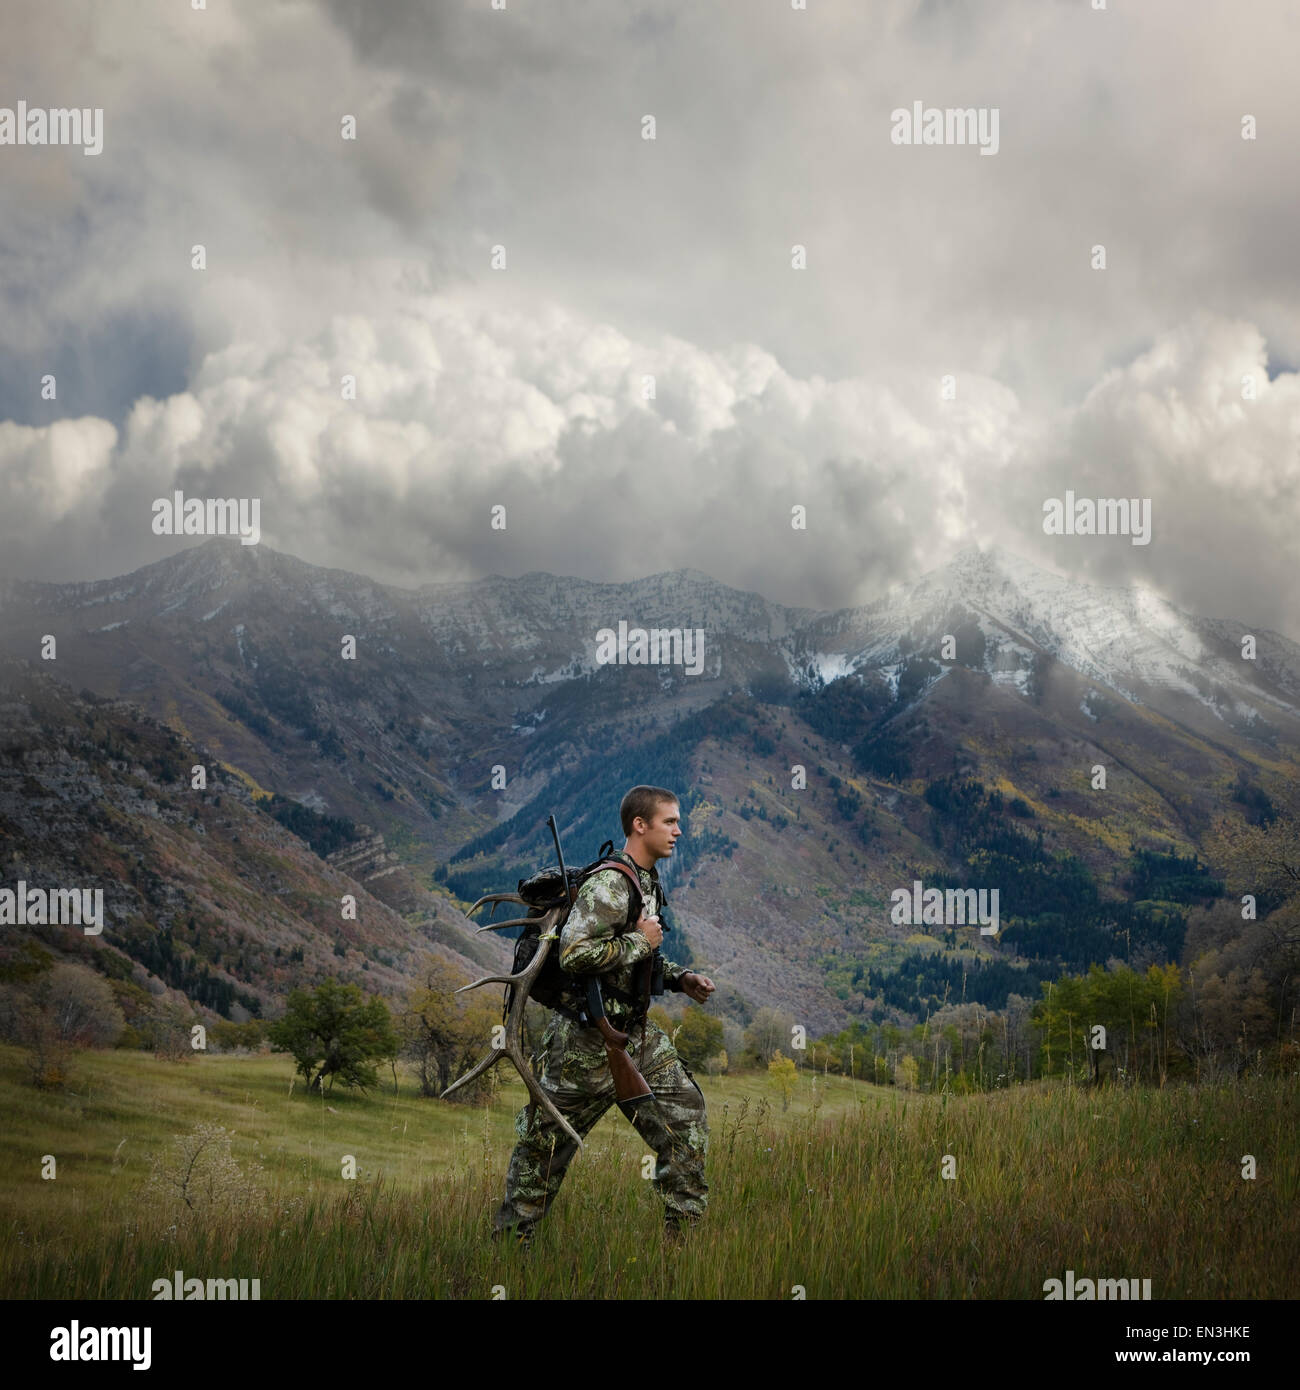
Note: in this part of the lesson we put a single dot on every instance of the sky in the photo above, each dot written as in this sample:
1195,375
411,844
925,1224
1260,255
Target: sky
948,358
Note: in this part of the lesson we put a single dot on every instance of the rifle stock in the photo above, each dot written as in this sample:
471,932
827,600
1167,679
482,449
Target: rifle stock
630,1087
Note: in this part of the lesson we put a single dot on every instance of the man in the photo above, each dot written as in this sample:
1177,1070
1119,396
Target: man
576,1070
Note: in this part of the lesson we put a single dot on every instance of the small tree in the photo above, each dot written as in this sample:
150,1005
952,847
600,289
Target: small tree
166,1028
768,1033
58,1011
335,1032
444,1033
199,1170
782,1073
699,1037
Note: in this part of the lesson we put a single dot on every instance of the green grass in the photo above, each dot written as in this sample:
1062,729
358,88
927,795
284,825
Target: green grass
841,1194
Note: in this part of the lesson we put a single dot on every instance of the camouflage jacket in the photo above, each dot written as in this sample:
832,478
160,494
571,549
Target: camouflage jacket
594,940
572,1060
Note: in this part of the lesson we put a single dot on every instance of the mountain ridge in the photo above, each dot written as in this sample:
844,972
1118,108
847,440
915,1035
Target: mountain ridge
469,713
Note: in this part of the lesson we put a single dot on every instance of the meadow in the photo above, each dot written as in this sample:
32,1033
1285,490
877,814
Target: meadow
840,1196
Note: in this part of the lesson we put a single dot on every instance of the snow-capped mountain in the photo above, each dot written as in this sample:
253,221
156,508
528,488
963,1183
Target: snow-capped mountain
1130,639
470,711
540,630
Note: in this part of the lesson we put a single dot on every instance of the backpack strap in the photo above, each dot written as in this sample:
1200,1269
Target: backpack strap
637,896
638,999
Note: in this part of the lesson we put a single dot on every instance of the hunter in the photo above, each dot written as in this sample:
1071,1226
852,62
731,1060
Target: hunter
575,1070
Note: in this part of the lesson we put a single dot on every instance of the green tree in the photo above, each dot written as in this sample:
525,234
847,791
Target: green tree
1133,1009
335,1032
166,1028
699,1037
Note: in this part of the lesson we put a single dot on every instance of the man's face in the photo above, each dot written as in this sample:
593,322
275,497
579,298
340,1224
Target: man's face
661,833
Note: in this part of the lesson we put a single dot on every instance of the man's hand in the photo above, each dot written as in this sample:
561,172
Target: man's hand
649,928
699,987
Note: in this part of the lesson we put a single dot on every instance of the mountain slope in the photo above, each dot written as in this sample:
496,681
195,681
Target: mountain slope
205,894
471,711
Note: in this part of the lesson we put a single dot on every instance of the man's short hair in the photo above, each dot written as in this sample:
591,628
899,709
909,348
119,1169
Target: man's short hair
642,801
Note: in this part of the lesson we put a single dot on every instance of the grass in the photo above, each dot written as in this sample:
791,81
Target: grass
841,1195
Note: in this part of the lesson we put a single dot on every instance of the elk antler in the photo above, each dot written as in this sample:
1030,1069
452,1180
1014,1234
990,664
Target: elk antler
513,1047
496,898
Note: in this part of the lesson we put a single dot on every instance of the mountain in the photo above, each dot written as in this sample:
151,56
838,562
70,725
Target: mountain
948,730
1130,640
206,892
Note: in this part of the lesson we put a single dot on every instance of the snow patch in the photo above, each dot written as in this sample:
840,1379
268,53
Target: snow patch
1017,678
830,666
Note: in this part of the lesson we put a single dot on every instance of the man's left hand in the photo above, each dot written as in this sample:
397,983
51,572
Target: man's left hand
699,987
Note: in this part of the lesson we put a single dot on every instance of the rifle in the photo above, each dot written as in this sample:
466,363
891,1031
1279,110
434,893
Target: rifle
630,1087
657,960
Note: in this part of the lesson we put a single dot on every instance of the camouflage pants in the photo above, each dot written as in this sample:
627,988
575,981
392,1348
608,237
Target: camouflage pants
576,1077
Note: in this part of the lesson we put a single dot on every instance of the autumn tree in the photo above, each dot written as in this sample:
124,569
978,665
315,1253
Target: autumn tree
166,1029
782,1073
1243,957
444,1033
55,1011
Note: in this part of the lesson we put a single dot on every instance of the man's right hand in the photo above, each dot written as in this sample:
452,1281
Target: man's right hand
649,928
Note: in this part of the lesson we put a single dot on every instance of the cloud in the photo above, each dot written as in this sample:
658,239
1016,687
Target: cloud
522,128
458,409
1178,425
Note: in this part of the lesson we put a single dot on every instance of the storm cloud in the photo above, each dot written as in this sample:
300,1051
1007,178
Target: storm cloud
1167,375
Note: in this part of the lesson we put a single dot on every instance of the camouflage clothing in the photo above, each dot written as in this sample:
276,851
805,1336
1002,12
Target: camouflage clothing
594,940
575,1071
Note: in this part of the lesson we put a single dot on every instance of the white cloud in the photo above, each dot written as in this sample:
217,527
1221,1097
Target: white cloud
671,258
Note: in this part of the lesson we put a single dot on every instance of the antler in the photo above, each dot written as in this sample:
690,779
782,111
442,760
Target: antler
496,898
513,1047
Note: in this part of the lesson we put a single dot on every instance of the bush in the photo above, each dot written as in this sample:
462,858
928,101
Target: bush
198,1171
62,1009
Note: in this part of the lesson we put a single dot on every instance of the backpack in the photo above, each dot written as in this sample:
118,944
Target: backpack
554,987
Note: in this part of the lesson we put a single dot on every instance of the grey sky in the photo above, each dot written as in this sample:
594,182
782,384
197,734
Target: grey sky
775,387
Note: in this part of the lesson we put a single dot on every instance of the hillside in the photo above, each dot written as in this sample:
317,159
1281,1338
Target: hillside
946,732
206,894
